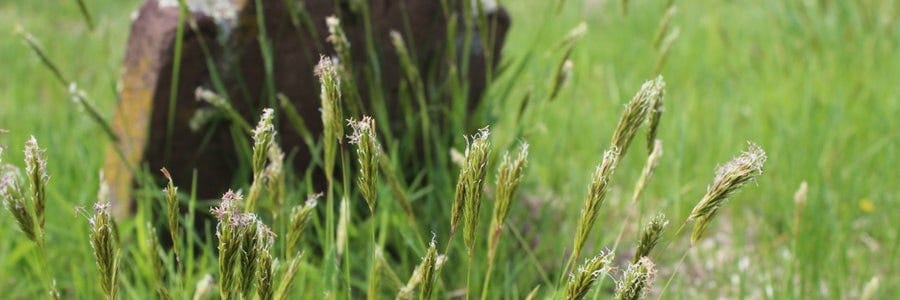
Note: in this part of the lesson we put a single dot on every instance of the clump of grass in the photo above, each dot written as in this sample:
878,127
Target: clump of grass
637,280
582,280
103,242
729,178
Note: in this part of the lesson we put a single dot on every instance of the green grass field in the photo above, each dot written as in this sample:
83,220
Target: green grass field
814,83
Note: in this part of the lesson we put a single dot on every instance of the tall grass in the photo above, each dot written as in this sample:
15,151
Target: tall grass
844,165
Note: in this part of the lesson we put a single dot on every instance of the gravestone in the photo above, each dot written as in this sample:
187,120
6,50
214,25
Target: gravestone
223,34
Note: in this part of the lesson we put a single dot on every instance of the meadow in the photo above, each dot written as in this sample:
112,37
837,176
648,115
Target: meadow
813,83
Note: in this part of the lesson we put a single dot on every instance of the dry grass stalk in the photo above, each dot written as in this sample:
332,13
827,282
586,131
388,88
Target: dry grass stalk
729,178
636,113
582,280
509,175
637,280
650,236
36,170
171,193
595,197
369,154
103,244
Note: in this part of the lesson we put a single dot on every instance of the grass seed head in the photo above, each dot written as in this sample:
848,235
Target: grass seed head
369,153
729,178
287,279
300,216
472,176
596,195
171,193
509,175
103,244
332,111
36,169
265,281
583,279
263,138
274,175
14,202
230,230
650,236
636,113
429,271
655,110
637,280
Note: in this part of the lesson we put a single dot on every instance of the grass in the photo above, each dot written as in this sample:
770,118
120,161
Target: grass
814,86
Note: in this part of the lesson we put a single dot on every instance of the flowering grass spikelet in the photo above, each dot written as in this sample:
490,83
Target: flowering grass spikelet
650,236
636,113
596,195
369,154
472,178
14,202
103,244
729,178
509,175
637,280
583,279
36,170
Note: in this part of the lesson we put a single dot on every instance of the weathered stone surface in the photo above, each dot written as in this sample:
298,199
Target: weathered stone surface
230,35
